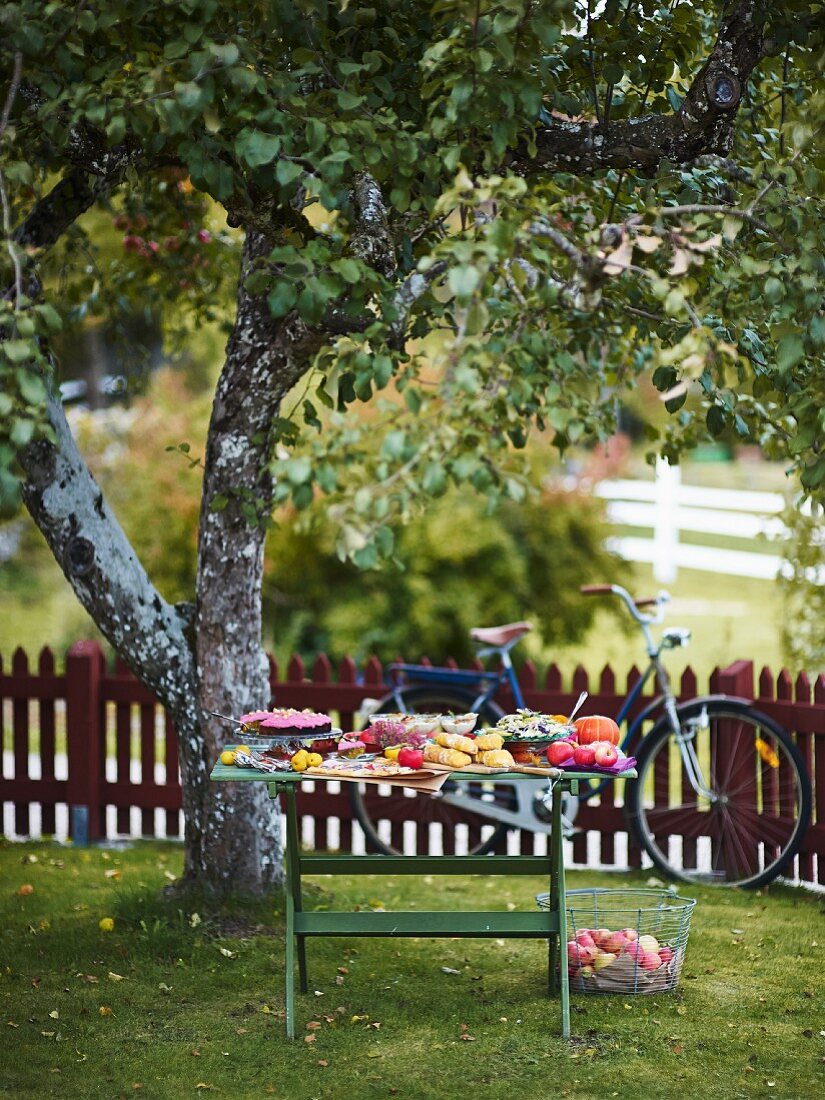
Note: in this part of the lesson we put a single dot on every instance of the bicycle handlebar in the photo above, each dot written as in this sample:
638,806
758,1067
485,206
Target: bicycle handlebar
633,605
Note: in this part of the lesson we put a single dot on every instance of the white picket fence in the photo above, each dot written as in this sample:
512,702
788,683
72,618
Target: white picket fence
667,507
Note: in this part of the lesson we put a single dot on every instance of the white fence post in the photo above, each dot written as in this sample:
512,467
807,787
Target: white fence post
666,529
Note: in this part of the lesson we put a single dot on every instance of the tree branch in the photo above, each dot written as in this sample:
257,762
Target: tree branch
86,539
704,208
703,123
72,196
372,241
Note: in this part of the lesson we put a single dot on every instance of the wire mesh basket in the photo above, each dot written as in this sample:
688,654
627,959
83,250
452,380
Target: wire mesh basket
625,941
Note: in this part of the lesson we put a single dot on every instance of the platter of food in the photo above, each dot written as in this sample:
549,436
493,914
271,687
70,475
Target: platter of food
424,748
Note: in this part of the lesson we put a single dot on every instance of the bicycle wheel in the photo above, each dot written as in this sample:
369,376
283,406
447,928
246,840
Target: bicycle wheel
384,812
748,822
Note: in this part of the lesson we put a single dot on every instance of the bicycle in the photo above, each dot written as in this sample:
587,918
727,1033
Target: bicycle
722,795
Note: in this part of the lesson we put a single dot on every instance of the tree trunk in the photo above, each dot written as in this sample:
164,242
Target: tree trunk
233,837
216,662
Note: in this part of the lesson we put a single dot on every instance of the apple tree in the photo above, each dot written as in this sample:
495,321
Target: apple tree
446,225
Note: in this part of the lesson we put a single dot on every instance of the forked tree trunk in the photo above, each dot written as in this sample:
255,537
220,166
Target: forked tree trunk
214,661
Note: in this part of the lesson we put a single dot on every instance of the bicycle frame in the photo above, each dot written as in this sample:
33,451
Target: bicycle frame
458,677
530,795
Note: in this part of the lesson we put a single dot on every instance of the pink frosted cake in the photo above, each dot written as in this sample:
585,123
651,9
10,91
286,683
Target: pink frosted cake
286,722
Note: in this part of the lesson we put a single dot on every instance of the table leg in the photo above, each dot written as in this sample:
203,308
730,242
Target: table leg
293,904
558,903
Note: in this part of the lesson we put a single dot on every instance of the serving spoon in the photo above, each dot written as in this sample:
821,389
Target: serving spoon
577,707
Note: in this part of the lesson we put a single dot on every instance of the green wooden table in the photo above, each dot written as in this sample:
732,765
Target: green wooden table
549,924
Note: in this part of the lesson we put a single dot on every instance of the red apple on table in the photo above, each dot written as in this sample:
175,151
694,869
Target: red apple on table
410,758
560,752
584,756
606,754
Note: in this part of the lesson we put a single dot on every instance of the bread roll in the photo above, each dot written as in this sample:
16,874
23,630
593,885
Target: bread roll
451,757
456,741
496,758
487,741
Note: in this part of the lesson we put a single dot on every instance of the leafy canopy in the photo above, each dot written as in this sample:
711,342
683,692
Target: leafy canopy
450,270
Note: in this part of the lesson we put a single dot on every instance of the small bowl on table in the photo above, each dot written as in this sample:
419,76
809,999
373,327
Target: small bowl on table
424,724
459,724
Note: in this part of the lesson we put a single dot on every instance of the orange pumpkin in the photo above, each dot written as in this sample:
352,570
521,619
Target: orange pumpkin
596,728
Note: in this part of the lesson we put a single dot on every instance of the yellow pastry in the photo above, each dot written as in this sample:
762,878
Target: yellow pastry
451,757
496,758
487,741
456,741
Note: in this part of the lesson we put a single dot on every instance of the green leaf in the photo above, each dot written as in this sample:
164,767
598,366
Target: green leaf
282,299
789,351
434,481
298,470
463,280
287,172
18,351
257,148
31,386
716,420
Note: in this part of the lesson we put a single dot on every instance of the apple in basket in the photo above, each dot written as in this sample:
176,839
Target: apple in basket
603,959
615,943
577,955
649,960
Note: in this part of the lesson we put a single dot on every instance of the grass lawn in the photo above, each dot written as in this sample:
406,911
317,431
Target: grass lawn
183,1000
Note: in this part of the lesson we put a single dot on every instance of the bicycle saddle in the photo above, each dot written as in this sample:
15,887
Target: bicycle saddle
500,635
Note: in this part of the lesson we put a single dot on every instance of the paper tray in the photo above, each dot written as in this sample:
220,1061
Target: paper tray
424,780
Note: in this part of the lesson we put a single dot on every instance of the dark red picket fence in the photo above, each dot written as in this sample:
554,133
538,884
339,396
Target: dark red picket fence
91,739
